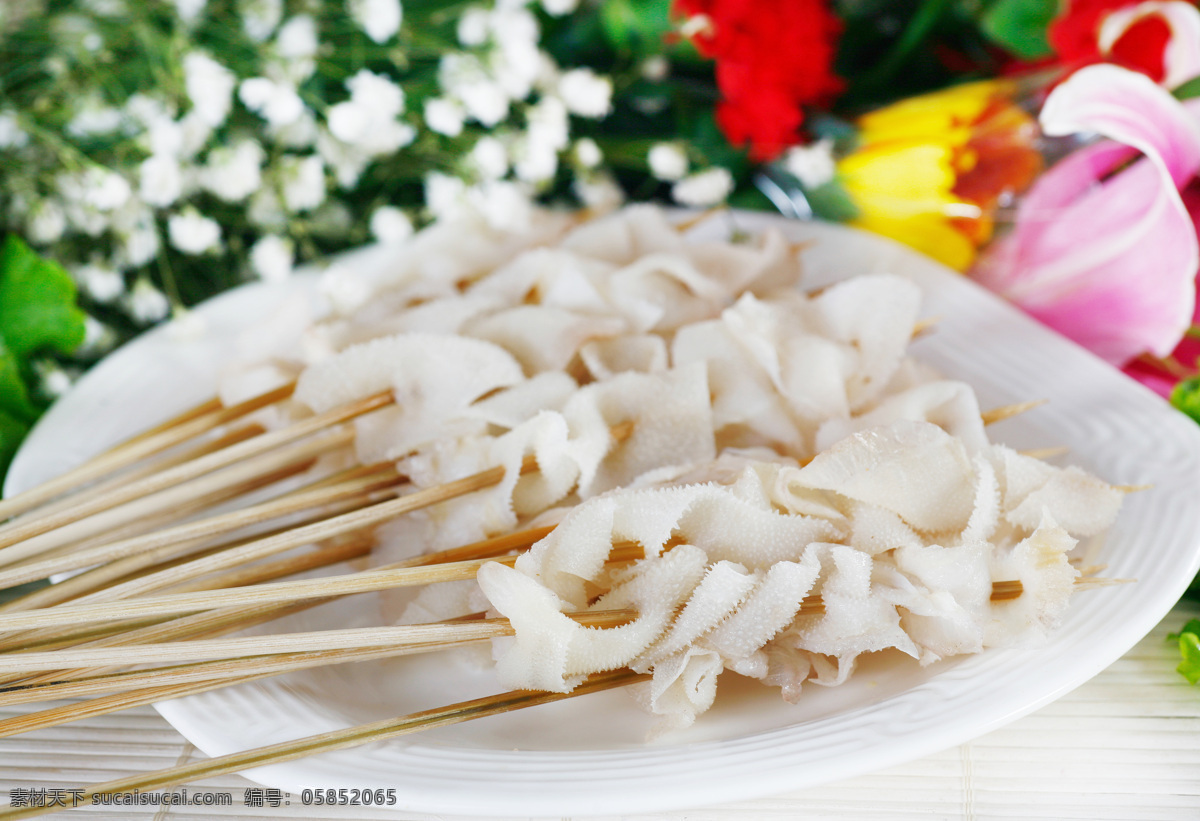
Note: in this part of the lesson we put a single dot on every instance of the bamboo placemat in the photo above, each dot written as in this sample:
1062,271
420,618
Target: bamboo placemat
1126,745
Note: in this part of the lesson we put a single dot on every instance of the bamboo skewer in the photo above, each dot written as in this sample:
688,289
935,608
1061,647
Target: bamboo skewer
431,634
351,483
191,423
259,445
341,739
995,415
125,699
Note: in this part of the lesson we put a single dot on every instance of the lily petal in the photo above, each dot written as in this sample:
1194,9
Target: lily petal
1106,253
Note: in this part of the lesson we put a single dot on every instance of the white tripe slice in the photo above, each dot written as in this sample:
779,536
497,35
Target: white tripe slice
876,314
433,378
809,371
724,587
985,517
446,254
874,530
542,337
950,405
683,686
442,315
625,236
640,353
496,509
856,619
943,593
671,425
914,469
770,608
745,402
1047,579
509,407
549,276
1080,503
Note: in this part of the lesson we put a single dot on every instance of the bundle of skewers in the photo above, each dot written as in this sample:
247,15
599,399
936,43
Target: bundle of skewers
622,457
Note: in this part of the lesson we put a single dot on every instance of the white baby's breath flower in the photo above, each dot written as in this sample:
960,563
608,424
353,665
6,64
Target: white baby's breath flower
302,182
193,233
444,194
390,225
233,172
668,161
812,164
209,86
535,161
54,381
505,205
260,18
302,133
444,116
101,283
587,153
104,189
160,180
277,103
557,8
380,19
137,234
11,133
515,62
45,222
297,44
655,68
473,26
599,192
297,38
704,188
189,10
145,303
347,161
93,118
194,133
98,338
548,123
266,210
586,93
488,158
377,91
463,76
272,258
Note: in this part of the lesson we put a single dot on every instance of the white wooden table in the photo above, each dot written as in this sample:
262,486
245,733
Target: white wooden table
1126,745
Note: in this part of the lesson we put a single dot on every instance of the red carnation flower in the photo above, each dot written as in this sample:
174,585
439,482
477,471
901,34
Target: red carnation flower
772,58
1140,43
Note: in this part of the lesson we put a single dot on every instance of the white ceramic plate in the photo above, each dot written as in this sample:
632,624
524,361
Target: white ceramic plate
589,756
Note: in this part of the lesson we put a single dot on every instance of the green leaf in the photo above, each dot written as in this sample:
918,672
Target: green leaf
14,396
37,303
1193,626
1186,397
636,25
12,433
1189,649
1188,90
1020,26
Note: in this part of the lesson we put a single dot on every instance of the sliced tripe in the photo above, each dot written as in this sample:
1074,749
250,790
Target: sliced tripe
669,419
1047,578
640,353
1080,503
542,337
914,469
432,377
950,405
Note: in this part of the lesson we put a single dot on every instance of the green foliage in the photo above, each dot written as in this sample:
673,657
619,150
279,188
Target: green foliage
637,26
1020,26
1186,397
37,315
1189,650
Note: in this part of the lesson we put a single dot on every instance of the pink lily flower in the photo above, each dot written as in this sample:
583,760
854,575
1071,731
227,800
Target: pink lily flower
1103,248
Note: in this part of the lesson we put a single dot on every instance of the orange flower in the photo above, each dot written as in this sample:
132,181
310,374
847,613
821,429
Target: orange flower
930,171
